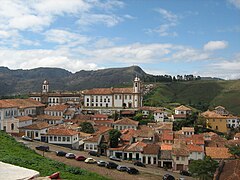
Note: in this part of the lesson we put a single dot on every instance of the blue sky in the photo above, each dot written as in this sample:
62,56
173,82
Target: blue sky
163,37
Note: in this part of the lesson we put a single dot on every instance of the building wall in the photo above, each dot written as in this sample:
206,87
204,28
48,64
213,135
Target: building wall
180,160
159,117
217,124
149,159
121,127
25,123
196,155
54,139
35,134
234,123
90,146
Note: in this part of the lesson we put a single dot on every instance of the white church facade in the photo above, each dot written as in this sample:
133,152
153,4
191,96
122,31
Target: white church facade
113,98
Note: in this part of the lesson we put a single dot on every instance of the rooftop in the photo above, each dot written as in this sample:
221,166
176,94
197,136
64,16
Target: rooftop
106,91
126,121
60,107
182,108
218,153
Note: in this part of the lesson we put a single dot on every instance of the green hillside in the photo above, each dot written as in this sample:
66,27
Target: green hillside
16,153
199,94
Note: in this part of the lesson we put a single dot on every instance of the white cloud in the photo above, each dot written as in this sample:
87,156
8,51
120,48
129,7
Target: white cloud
107,19
215,45
190,54
28,59
236,3
170,21
169,16
65,37
103,43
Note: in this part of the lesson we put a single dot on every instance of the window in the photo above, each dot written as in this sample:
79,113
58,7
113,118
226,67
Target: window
91,146
59,138
125,96
96,104
68,139
107,105
36,134
64,138
136,85
120,97
55,138
116,96
101,104
12,126
177,158
87,104
108,100
104,100
87,99
216,127
213,120
50,138
87,147
130,97
183,158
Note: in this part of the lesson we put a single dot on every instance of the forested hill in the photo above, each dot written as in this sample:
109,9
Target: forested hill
199,94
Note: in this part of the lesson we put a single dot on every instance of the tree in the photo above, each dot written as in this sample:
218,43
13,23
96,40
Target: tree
234,150
203,169
114,135
87,127
138,117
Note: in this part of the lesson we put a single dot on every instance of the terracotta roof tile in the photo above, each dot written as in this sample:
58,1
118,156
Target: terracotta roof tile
166,147
20,103
167,135
48,117
182,108
60,107
195,148
237,135
61,132
24,118
218,152
106,91
151,149
99,116
126,121
37,126
136,147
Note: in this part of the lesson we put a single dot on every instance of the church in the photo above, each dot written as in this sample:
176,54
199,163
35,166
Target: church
113,98
55,98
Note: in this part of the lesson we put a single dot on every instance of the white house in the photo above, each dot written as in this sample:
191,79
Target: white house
56,110
195,152
63,137
159,115
91,144
150,154
12,108
182,110
36,131
232,121
125,123
113,98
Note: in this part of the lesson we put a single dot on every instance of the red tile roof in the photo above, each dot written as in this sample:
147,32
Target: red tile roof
37,126
48,117
126,121
151,149
127,134
167,135
60,107
24,118
136,147
106,91
62,132
182,108
166,147
20,103
99,116
218,153
195,148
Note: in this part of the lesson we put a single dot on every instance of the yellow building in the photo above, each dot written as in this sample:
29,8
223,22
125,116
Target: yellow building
215,121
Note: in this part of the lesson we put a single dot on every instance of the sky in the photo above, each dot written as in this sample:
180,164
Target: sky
200,37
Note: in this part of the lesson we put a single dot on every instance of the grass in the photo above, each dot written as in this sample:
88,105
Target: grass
16,153
205,94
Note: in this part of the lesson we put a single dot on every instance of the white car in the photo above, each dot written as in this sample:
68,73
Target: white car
90,161
70,156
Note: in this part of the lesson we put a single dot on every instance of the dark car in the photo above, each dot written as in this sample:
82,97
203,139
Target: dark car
138,163
26,138
115,158
101,163
168,177
60,153
185,173
132,170
42,148
80,158
93,153
111,165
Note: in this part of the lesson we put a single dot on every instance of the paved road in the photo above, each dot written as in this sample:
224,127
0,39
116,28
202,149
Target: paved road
148,173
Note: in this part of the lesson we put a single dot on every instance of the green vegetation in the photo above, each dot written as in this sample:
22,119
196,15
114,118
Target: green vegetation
203,169
16,153
114,135
87,127
198,94
234,150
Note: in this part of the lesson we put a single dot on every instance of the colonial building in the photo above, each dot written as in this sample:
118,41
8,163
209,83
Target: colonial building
55,98
125,123
12,109
113,99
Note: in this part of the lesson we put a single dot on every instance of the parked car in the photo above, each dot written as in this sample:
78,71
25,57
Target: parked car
26,138
42,148
122,168
185,173
132,170
111,165
94,153
90,161
115,158
101,163
168,177
70,156
80,158
61,153
138,163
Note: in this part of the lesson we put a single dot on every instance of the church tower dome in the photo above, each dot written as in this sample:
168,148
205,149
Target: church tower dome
45,86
